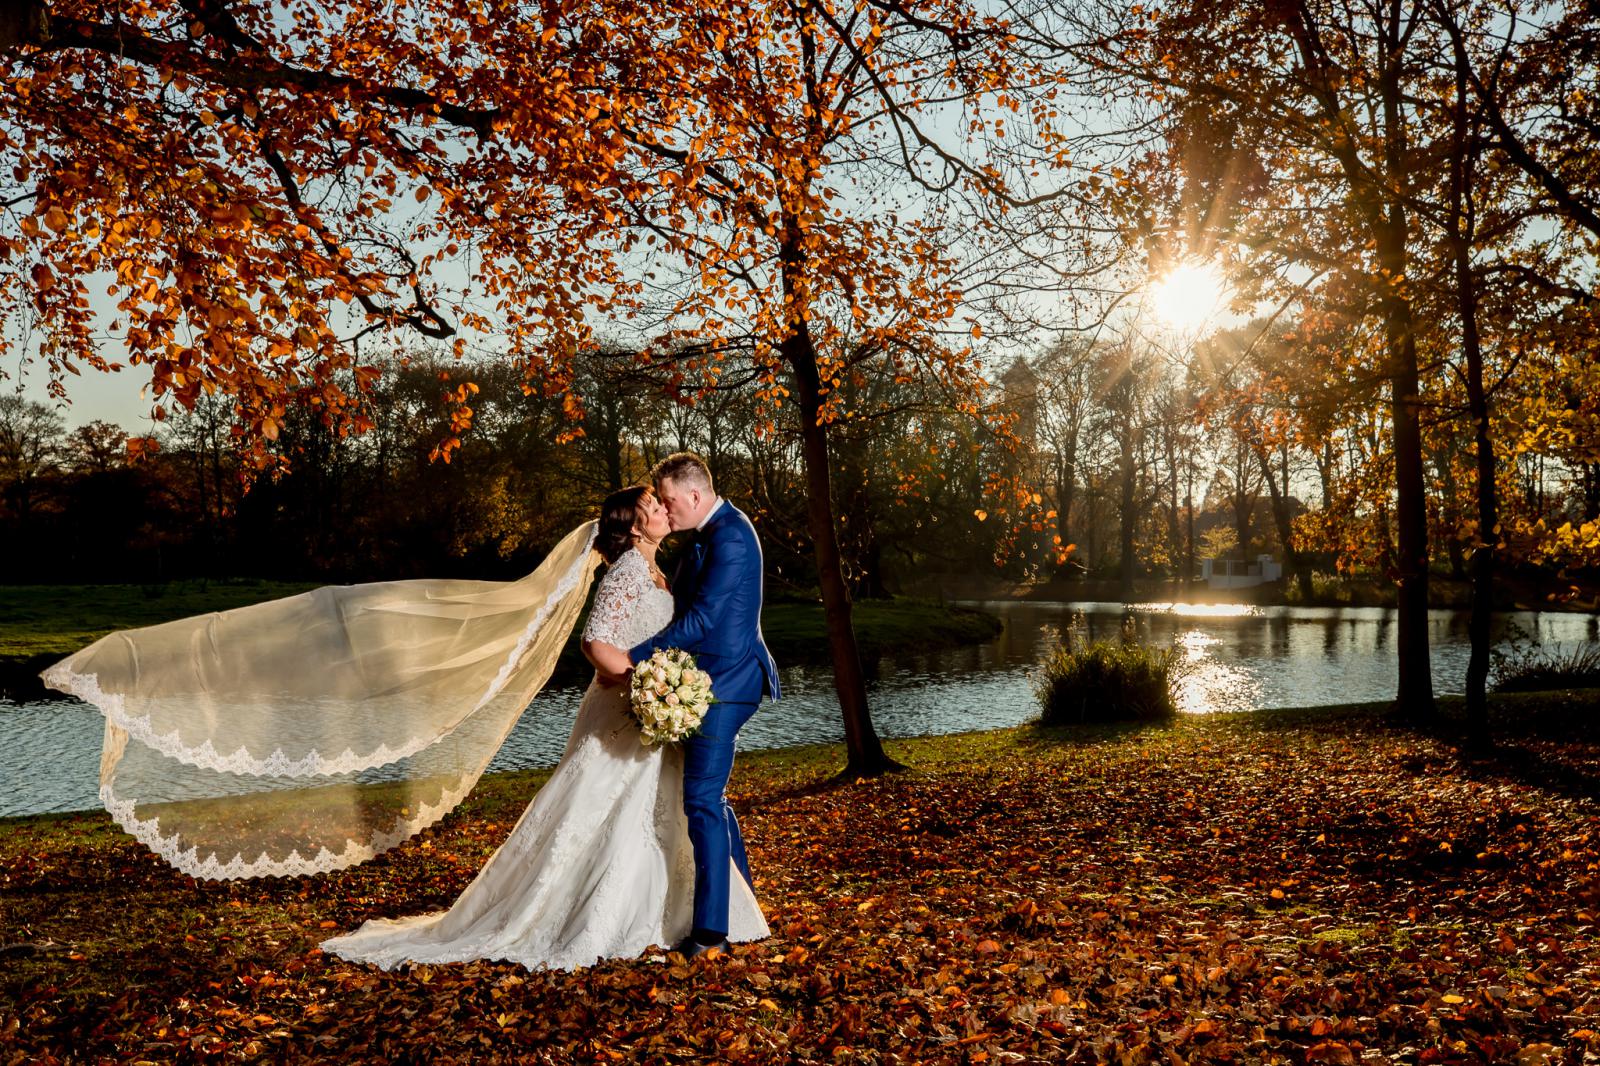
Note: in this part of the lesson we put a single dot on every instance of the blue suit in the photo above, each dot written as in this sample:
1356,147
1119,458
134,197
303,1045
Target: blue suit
717,619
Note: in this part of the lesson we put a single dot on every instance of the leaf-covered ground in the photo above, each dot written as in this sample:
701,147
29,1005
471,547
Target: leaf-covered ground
1288,886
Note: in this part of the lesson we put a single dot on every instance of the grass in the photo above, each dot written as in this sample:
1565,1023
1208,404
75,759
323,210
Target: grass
1107,680
1537,669
37,620
1304,885
797,631
55,620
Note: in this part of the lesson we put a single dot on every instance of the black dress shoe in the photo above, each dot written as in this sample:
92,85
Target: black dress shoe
690,948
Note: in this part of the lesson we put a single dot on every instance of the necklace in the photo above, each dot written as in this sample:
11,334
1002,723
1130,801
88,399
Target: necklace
655,571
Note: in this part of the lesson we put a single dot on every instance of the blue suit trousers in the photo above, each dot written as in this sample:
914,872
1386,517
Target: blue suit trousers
713,829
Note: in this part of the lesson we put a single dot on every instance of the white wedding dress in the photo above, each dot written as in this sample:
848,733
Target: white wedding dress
599,865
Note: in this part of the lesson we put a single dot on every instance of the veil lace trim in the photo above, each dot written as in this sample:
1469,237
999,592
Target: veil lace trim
147,831
568,583
86,687
319,686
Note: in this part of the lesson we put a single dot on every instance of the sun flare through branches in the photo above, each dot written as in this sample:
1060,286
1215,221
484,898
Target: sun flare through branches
1190,296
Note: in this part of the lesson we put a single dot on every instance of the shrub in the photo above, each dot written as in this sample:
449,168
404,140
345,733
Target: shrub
1107,681
1326,588
1534,669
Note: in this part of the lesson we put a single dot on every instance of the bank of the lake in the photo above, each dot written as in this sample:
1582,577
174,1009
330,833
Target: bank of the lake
1537,592
1318,884
1236,658
41,623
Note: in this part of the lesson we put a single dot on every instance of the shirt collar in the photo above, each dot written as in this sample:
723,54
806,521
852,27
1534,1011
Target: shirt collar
714,509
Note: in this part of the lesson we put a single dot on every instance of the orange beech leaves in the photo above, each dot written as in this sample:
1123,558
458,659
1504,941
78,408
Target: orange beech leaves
256,188
1292,887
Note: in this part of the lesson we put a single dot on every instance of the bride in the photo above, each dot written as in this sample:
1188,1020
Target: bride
599,866
311,733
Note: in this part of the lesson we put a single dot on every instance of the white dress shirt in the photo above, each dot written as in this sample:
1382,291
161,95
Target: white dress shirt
714,509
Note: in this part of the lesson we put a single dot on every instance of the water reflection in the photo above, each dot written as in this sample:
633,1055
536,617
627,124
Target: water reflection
1208,684
1236,657
1193,610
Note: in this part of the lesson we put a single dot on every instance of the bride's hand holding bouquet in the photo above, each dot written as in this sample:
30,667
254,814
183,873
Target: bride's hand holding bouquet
670,695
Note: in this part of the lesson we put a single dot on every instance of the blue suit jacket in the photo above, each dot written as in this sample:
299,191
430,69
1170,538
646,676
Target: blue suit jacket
717,611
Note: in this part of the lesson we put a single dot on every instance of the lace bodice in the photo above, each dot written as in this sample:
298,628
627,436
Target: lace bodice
629,607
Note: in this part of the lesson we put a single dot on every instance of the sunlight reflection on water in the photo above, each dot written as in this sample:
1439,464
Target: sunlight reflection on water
1208,685
1237,658
1201,610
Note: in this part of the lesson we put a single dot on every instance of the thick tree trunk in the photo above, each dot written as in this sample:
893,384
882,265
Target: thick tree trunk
864,752
612,428
1063,514
1325,473
1486,547
1380,198
1485,552
1414,688
1174,522
1242,506
1064,499
1188,545
865,756
1454,550
1243,501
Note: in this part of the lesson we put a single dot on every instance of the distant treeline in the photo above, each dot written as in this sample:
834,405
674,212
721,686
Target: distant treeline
377,505
1119,454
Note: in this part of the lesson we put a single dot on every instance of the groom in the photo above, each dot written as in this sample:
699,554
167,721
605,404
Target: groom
717,619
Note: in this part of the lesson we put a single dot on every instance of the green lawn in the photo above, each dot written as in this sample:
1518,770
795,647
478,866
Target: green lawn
797,632
54,620
60,619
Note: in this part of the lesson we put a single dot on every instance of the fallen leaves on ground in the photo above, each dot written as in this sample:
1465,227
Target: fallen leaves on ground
1277,887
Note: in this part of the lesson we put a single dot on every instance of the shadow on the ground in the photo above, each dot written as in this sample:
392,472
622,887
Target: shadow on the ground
1511,762
1544,740
1037,735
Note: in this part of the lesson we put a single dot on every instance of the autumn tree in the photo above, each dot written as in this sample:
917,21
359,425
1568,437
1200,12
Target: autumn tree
1066,404
31,442
1518,226
816,239
1258,385
258,187
97,446
1297,152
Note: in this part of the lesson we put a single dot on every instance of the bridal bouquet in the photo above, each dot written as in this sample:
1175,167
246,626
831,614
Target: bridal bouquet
670,697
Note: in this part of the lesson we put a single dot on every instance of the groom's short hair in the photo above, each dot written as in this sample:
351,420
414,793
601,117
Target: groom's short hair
681,467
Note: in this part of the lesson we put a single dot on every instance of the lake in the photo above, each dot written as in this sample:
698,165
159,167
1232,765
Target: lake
1241,658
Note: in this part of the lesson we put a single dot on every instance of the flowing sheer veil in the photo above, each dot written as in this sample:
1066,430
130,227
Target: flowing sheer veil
313,732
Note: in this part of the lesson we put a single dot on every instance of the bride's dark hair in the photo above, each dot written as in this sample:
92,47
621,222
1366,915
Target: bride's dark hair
617,515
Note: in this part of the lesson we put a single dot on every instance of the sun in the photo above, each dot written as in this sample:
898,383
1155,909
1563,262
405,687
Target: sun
1191,295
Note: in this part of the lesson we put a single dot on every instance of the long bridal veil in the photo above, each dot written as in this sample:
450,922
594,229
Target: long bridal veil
311,733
